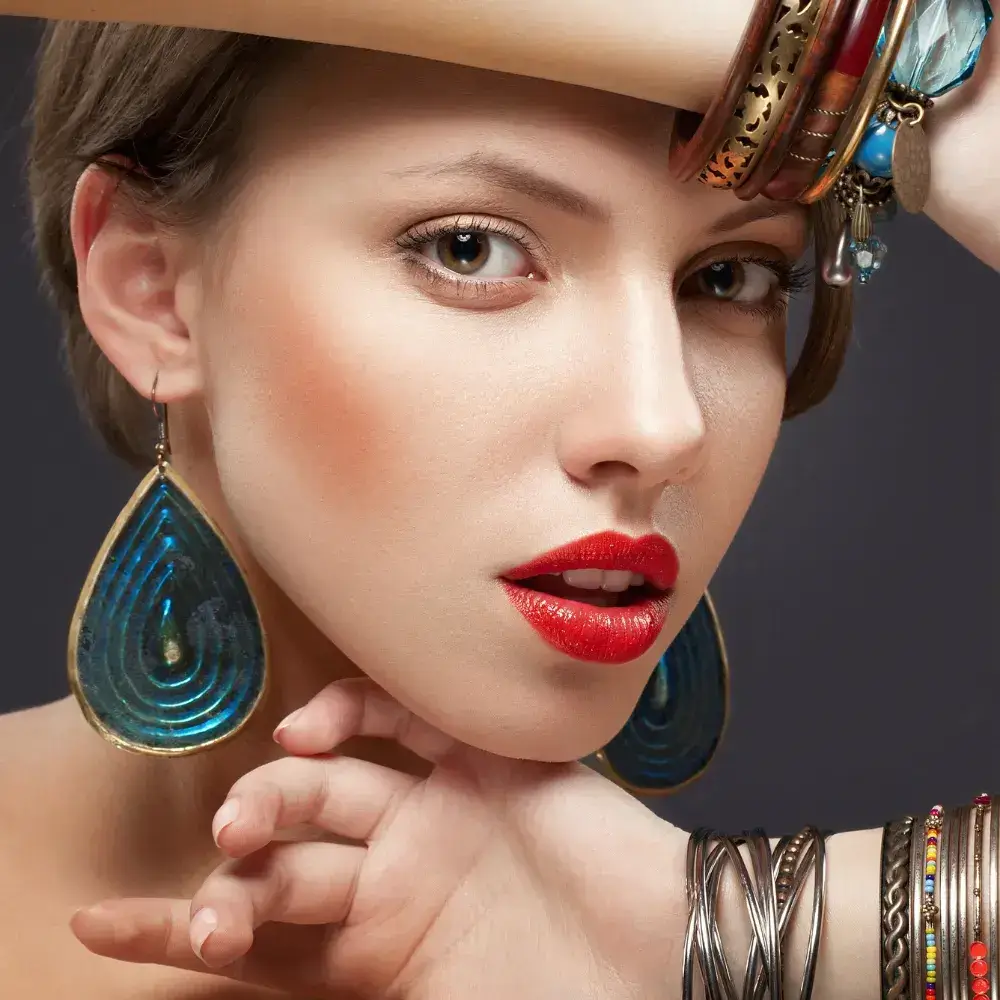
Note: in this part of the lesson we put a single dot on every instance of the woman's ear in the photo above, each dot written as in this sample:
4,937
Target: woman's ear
127,273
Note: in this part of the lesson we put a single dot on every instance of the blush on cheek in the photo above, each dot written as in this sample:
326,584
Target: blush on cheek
300,398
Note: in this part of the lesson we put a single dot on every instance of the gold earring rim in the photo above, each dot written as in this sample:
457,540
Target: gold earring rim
164,470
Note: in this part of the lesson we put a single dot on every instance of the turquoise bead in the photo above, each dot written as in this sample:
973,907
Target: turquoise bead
942,45
875,152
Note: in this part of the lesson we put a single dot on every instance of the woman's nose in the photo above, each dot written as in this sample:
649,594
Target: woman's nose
636,418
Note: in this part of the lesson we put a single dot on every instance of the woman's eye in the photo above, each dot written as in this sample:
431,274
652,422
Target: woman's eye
741,282
476,254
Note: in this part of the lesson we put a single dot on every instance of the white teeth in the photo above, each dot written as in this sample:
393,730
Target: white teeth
613,580
586,579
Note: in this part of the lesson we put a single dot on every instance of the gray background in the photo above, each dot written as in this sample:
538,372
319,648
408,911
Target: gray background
857,600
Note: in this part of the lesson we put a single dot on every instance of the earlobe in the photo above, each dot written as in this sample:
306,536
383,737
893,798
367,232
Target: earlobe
127,274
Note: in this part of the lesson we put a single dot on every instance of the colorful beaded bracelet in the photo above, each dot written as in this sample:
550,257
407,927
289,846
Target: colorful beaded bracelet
932,828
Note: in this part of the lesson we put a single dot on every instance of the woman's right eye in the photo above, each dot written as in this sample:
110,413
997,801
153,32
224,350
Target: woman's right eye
472,253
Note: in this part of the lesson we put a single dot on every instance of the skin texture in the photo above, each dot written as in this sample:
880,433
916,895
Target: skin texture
379,445
153,849
384,443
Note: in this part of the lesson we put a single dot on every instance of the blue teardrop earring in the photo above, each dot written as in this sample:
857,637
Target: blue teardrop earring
167,654
677,725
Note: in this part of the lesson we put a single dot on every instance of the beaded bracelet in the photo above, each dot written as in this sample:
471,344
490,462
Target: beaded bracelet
979,967
930,909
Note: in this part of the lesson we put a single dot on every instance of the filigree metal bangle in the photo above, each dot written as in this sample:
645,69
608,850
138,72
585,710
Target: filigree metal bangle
689,153
761,107
811,67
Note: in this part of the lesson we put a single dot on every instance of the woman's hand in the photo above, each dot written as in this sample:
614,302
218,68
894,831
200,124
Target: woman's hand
491,877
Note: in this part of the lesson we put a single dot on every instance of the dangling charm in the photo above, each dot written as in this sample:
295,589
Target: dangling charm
675,729
911,158
862,194
167,655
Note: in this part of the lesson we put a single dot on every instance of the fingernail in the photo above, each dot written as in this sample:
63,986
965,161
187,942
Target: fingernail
228,813
203,923
98,911
288,722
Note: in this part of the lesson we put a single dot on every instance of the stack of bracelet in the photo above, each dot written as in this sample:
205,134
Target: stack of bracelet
826,99
771,887
934,943
938,878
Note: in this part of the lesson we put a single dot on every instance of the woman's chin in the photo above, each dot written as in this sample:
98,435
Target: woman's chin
554,741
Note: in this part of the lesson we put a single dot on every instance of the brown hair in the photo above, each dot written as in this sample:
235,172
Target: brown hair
173,101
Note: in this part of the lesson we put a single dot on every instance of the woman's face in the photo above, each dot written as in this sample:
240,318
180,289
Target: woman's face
461,319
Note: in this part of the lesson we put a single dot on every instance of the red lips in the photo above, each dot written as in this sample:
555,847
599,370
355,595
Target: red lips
599,634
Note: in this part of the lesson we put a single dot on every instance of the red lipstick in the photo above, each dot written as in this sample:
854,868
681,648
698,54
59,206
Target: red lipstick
584,630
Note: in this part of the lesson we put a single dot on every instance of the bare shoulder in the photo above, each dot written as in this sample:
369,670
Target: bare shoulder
53,788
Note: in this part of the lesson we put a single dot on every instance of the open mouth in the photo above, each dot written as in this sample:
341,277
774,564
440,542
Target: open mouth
601,599
556,585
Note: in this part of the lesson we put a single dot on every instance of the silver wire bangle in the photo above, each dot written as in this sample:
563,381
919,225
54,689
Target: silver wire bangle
772,886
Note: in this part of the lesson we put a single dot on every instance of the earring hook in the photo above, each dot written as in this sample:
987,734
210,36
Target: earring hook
162,440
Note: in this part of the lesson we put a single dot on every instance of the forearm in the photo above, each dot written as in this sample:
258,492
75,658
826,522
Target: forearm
965,145
656,50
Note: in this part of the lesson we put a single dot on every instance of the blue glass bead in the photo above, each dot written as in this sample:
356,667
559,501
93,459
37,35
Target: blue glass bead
867,256
942,44
875,152
169,653
678,722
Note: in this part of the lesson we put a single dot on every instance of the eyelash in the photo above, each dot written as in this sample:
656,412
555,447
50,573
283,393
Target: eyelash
792,278
466,286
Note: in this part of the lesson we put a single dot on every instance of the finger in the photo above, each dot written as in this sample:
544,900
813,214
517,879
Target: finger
342,795
157,931
139,930
291,883
358,707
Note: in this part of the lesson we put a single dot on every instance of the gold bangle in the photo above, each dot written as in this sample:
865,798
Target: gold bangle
854,127
761,106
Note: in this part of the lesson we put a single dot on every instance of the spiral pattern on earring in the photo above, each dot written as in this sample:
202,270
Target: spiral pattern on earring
678,722
167,653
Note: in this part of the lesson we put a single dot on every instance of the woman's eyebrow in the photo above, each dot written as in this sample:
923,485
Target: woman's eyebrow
757,212
511,175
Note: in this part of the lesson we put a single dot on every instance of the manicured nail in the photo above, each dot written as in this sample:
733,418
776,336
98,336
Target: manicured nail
203,923
228,813
288,722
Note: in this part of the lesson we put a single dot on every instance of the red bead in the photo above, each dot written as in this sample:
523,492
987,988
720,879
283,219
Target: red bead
981,800
979,968
978,950
937,810
980,987
932,840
